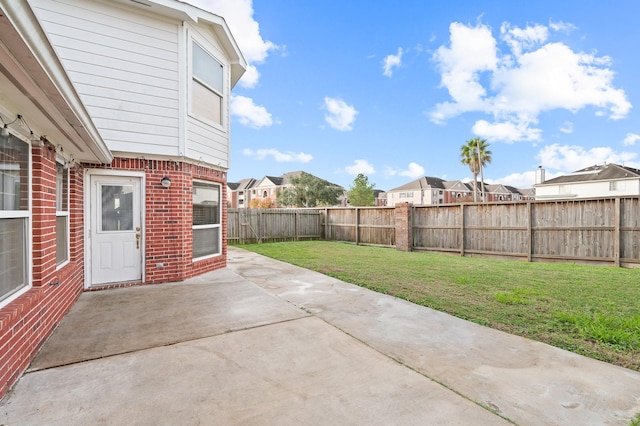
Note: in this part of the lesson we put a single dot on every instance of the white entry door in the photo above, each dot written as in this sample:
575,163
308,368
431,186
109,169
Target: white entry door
116,231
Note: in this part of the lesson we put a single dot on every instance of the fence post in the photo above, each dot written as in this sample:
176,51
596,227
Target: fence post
404,228
529,232
326,223
617,214
462,230
357,225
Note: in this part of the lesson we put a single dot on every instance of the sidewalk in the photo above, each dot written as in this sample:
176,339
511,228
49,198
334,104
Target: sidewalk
263,342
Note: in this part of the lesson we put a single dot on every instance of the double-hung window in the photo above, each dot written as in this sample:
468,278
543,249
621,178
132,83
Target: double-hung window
62,214
14,215
207,232
207,85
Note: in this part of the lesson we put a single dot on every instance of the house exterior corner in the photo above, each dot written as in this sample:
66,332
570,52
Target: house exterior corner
114,154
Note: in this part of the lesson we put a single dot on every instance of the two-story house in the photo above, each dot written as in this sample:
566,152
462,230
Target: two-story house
239,194
114,150
606,180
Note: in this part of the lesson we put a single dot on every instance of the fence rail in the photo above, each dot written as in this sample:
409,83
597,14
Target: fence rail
599,230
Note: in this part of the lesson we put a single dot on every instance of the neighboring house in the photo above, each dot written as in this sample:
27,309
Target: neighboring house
498,192
266,190
521,194
113,154
607,180
239,193
456,191
380,198
527,194
433,191
426,190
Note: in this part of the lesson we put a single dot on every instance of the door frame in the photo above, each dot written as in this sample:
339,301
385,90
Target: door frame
88,255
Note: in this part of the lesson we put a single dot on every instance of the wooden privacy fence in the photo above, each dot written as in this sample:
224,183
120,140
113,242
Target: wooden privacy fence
590,230
246,226
361,225
602,230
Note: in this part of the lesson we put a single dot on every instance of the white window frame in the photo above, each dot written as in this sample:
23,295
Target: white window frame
63,213
26,215
217,226
194,39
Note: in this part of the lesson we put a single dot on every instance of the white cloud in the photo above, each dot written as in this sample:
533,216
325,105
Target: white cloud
250,114
413,171
508,131
390,62
531,76
520,39
631,139
339,114
245,29
523,180
280,157
250,77
569,158
562,26
567,127
472,51
360,166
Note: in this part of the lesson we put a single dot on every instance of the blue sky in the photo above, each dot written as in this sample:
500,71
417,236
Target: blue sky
393,88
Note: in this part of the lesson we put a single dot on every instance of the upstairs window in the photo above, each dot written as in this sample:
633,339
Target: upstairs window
207,86
616,185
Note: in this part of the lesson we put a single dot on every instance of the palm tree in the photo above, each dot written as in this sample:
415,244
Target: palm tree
475,154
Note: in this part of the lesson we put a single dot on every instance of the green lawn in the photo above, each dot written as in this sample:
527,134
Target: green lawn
590,310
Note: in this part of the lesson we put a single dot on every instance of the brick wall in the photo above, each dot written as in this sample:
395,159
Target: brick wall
29,320
404,231
168,218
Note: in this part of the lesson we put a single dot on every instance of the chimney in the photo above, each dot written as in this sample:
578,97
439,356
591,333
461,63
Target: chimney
539,175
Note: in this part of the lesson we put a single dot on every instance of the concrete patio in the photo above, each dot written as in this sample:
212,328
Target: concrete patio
264,342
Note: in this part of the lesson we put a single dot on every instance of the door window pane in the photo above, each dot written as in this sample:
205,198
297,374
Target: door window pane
117,208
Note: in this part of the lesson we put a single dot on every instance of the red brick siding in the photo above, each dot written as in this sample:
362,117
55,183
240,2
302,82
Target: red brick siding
28,321
404,230
168,222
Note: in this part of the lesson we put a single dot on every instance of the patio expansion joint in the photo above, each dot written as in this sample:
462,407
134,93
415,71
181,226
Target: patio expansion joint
167,344
404,364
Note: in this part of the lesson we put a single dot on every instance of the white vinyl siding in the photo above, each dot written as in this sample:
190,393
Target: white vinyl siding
132,70
125,66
